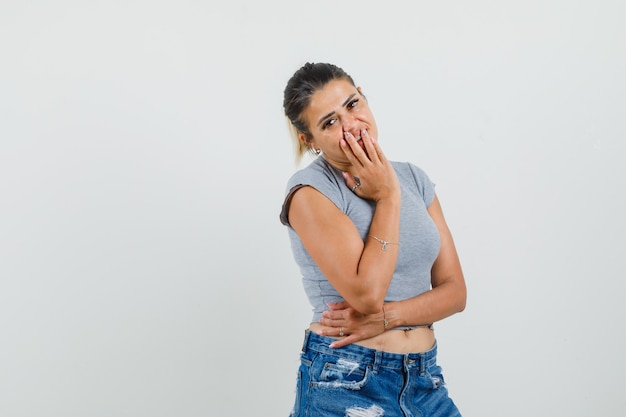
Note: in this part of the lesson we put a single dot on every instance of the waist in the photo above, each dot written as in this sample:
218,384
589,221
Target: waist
416,340
314,343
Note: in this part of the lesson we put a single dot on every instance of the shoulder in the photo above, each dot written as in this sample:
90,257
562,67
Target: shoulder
318,171
320,175
407,166
410,169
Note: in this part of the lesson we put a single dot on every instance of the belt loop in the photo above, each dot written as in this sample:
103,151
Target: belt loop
377,361
305,343
422,364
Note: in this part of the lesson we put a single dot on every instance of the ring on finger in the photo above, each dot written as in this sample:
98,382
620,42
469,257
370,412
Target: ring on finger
357,184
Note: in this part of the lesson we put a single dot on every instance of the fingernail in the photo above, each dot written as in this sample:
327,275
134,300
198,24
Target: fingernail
363,132
346,135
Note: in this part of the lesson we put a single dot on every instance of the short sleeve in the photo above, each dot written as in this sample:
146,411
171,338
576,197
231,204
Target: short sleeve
318,175
284,212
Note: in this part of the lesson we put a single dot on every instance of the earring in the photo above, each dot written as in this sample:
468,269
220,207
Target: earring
316,152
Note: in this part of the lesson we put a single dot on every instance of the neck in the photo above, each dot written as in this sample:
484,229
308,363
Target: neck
339,165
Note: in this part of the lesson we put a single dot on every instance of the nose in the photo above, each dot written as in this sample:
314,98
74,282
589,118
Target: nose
352,126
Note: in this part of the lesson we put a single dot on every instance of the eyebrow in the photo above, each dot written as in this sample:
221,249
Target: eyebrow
332,112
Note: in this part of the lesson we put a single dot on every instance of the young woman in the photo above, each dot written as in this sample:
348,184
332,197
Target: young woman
377,259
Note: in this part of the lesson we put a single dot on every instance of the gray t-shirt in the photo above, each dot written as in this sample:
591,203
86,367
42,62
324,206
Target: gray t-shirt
419,237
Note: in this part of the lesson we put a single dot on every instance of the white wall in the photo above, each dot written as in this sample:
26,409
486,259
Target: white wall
143,155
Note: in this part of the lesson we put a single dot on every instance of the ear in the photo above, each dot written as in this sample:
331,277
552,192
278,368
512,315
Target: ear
302,138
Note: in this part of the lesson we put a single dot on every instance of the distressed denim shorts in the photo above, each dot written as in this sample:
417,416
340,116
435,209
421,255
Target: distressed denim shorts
355,381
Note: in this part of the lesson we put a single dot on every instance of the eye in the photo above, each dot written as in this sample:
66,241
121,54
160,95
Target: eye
329,123
353,103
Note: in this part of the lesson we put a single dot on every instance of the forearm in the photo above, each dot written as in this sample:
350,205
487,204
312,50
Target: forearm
434,305
378,260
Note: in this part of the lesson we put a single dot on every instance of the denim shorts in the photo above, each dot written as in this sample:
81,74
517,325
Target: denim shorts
355,381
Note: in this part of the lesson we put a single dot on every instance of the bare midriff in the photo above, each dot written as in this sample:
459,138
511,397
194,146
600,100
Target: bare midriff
415,340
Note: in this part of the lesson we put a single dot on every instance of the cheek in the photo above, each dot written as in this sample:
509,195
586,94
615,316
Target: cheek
332,135
332,142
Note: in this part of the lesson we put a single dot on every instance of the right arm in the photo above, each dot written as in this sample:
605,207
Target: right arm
360,271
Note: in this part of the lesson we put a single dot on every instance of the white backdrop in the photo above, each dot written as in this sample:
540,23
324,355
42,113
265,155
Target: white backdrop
143,156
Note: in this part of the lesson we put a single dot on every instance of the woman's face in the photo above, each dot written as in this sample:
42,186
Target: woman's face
336,108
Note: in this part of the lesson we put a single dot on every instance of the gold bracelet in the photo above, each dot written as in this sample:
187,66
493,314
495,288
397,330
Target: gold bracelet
384,243
385,322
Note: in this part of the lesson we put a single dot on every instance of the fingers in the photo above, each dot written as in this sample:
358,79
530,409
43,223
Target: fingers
354,151
339,311
367,158
332,321
366,149
338,331
343,335
344,342
342,305
352,182
371,146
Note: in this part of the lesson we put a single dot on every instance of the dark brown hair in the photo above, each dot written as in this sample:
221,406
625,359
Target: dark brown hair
300,88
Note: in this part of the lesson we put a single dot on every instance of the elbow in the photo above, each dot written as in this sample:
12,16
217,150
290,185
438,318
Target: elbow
369,304
461,306
461,301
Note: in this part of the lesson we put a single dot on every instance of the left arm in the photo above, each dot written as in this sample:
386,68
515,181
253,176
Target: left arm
447,296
